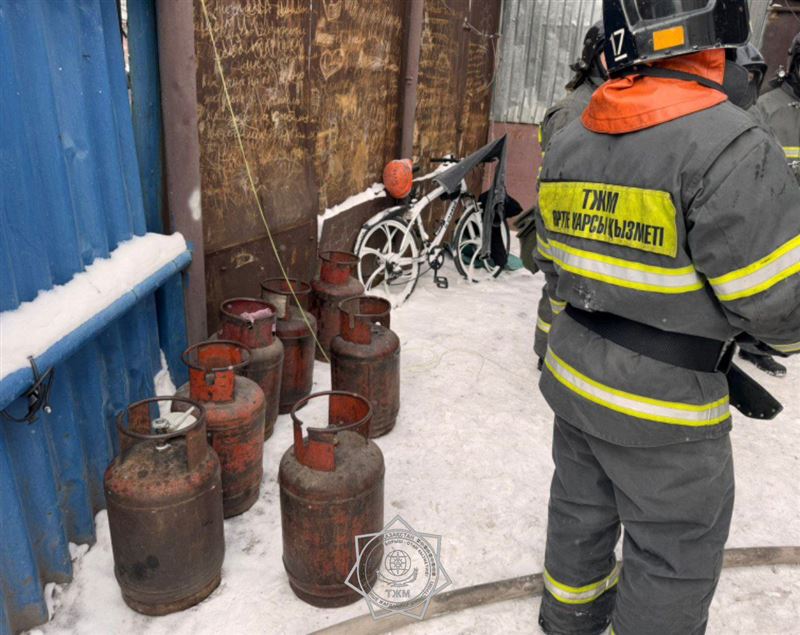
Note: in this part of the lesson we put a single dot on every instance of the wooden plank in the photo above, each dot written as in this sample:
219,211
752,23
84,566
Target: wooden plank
238,270
264,51
355,94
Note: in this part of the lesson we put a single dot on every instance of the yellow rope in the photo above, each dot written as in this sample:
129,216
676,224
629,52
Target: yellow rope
250,178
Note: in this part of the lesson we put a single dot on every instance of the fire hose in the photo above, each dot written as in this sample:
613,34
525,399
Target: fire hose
529,586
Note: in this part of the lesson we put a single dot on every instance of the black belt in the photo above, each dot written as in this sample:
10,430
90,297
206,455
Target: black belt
678,349
686,351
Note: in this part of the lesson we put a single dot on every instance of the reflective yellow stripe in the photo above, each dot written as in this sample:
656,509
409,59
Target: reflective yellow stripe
792,152
787,348
624,273
543,326
671,412
628,216
557,306
543,247
584,594
541,149
761,275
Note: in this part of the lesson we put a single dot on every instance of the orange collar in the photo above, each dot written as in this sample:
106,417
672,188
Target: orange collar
631,103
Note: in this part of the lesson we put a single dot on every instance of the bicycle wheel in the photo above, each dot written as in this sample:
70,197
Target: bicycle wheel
386,267
467,245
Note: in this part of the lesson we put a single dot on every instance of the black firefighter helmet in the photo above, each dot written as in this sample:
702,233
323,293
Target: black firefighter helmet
639,31
749,57
793,63
588,65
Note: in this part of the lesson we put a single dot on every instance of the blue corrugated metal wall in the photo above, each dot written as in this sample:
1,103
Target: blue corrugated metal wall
71,192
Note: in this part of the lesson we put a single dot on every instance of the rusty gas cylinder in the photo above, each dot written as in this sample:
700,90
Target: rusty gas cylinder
296,327
335,283
365,358
235,412
164,498
252,322
331,491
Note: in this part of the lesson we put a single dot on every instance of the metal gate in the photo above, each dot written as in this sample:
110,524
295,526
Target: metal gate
71,193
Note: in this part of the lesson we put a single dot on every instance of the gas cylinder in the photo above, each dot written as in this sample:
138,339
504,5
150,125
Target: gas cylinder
365,358
331,486
252,322
335,283
293,331
164,498
235,412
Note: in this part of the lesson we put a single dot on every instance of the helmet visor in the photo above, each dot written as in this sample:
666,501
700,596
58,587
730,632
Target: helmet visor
638,11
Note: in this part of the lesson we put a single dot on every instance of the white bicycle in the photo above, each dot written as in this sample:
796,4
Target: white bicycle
393,246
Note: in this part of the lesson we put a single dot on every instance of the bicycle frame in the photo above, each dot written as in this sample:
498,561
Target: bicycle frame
414,217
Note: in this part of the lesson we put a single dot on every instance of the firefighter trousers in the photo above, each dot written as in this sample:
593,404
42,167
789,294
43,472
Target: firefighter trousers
675,504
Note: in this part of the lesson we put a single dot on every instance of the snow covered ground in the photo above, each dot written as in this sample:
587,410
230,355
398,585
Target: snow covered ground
469,459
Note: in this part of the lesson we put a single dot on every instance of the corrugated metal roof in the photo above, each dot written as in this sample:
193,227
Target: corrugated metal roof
71,192
541,38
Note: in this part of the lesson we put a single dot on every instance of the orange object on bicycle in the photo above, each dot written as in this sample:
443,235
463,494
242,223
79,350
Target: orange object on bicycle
398,177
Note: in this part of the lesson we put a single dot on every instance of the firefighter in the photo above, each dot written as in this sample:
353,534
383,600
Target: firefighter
589,74
779,108
669,223
749,57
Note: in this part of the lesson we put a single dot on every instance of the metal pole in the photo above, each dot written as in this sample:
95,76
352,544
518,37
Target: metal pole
411,75
178,69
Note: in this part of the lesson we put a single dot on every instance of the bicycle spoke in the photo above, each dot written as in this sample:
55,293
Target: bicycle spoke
471,269
369,251
472,241
370,281
473,229
390,232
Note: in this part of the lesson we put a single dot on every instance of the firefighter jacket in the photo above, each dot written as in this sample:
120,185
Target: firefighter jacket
556,118
565,111
779,110
683,222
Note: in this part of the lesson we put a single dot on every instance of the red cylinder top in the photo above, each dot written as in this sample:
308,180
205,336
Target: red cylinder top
212,369
347,411
135,424
358,314
248,321
337,266
279,292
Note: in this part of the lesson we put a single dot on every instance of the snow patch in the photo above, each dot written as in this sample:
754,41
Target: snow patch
162,380
35,326
164,386
52,591
76,552
376,190
194,204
